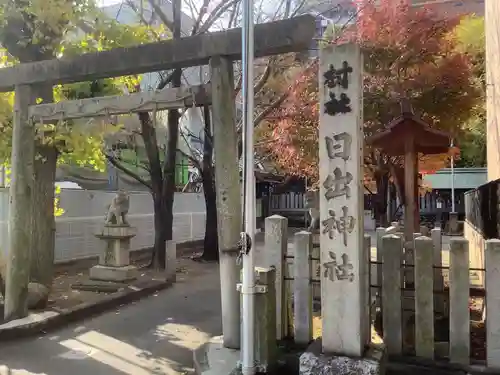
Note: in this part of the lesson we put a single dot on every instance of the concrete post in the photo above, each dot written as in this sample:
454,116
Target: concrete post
424,230
265,315
391,293
276,242
391,230
409,260
459,301
437,244
379,232
424,299
228,194
409,277
453,223
316,273
367,244
20,207
492,263
302,292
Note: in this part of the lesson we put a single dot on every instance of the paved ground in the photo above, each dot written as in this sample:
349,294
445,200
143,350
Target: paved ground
153,336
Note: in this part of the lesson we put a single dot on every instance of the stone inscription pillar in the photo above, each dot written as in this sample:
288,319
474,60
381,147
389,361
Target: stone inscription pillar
344,285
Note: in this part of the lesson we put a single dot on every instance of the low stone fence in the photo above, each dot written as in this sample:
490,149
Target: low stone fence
412,285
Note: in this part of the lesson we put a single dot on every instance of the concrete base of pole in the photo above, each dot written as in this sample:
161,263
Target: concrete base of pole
230,299
213,358
453,224
314,362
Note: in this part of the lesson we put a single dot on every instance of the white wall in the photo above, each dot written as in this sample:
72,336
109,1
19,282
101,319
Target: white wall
84,216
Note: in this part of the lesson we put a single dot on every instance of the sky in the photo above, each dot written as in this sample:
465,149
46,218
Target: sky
108,2
268,7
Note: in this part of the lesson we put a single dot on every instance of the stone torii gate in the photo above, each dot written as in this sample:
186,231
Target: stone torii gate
219,50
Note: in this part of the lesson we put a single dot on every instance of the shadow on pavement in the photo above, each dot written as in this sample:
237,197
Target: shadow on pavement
152,336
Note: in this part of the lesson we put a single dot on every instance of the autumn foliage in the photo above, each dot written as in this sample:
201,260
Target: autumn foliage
408,53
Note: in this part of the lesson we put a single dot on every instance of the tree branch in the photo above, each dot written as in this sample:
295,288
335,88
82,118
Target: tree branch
216,14
298,8
261,116
264,77
233,17
189,133
165,81
191,5
132,6
192,150
203,11
127,171
151,145
161,14
141,163
369,191
191,158
238,85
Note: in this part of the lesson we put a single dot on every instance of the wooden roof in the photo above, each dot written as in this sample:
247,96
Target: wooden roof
428,141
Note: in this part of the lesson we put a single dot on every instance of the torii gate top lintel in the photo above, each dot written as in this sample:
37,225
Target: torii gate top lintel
285,36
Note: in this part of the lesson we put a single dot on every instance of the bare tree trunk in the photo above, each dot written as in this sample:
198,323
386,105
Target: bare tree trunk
169,168
382,182
211,241
399,182
2,285
160,225
148,133
43,234
44,226
169,186
391,203
397,174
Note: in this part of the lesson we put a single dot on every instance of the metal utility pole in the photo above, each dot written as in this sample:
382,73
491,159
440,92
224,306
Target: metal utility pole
452,163
248,282
492,31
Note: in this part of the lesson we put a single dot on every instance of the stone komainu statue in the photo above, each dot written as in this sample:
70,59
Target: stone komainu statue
312,203
118,209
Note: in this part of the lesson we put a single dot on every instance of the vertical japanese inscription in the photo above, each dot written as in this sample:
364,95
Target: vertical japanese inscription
335,106
337,184
338,77
333,78
342,268
339,146
341,271
343,224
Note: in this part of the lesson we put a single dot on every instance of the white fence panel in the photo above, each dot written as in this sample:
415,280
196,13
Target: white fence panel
84,216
